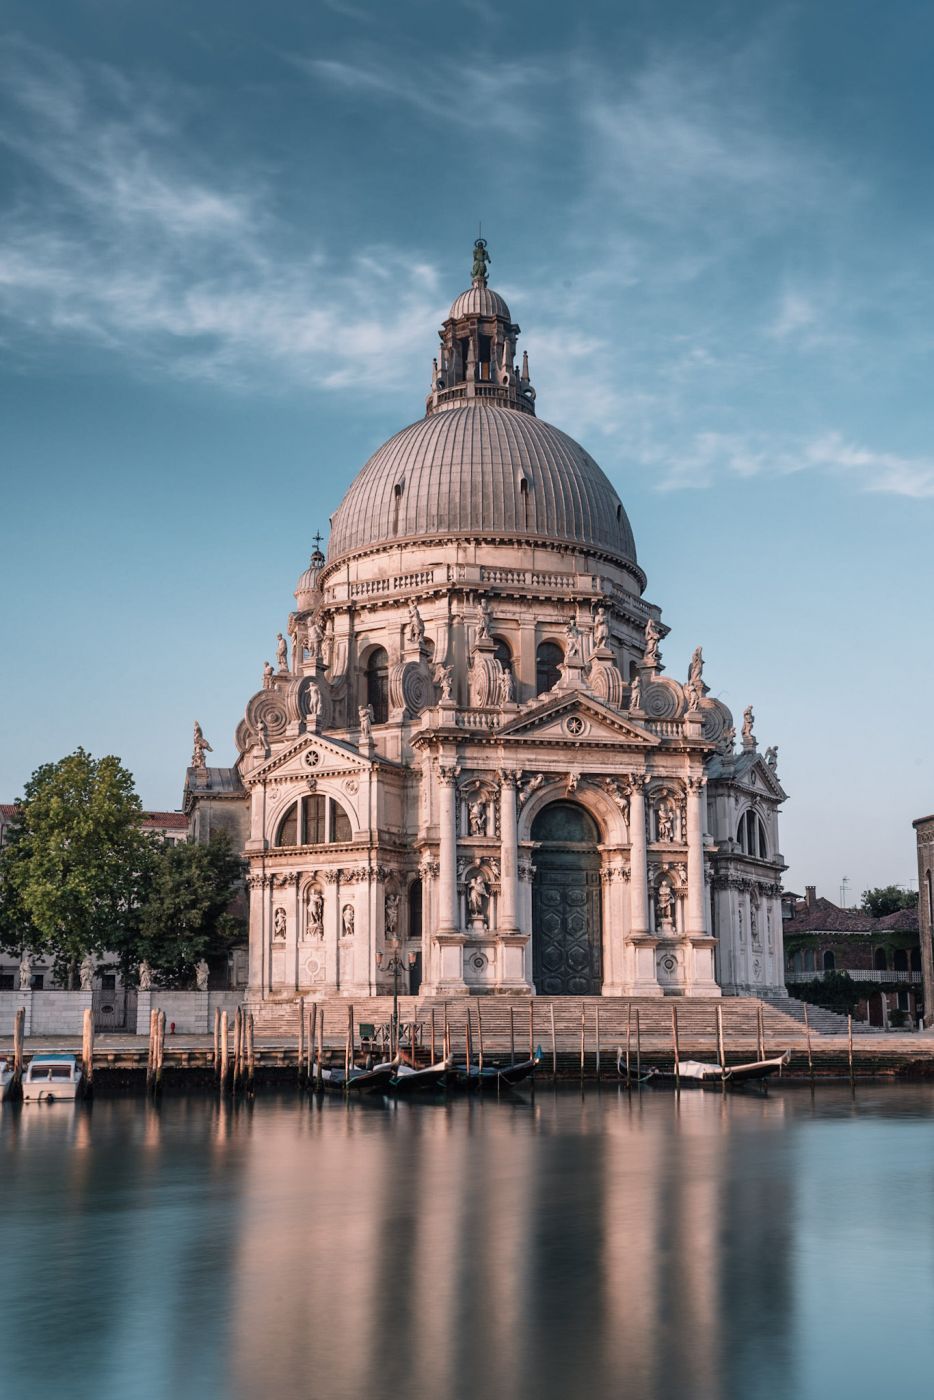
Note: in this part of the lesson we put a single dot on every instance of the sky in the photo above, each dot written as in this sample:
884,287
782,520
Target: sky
230,233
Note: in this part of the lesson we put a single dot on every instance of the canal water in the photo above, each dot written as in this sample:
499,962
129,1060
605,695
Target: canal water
551,1247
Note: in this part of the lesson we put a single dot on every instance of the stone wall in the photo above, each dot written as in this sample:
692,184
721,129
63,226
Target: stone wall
191,1012
47,1013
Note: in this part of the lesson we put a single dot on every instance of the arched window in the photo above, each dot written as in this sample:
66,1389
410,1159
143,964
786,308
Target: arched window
415,909
879,960
900,960
830,961
548,658
503,653
751,836
314,821
377,684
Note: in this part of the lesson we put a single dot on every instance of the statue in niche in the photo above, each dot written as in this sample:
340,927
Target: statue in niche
665,822
282,652
531,786
573,637
635,692
477,894
201,747
313,700
664,905
652,638
505,687
315,913
601,628
202,973
278,922
749,720
771,757
365,714
483,621
476,818
754,924
314,638
86,973
415,630
392,915
145,976
444,676
347,921
267,676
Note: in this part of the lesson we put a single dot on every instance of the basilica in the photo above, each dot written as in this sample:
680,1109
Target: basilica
468,760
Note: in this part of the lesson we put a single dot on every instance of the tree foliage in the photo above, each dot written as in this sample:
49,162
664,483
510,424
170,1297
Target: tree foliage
835,991
184,914
887,899
72,869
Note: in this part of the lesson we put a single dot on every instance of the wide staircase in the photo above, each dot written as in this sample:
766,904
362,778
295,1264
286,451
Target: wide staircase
604,1023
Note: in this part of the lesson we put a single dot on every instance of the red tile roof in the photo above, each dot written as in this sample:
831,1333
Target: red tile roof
165,819
902,921
825,917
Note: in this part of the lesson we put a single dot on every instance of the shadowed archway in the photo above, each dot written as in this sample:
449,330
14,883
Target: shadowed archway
567,923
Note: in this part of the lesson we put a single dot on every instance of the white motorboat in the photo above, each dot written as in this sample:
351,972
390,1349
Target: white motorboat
6,1078
51,1077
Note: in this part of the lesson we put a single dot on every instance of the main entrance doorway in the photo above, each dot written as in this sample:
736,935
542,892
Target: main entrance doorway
567,922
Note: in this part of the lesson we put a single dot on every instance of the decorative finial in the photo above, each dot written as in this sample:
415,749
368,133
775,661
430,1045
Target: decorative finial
480,259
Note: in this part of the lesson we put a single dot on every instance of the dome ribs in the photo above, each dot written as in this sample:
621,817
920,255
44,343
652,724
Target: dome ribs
463,471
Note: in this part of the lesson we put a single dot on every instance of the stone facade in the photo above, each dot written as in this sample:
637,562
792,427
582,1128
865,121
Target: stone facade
468,755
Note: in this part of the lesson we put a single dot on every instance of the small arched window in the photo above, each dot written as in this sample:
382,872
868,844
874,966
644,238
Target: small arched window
503,653
830,962
751,836
415,909
548,658
377,684
900,960
879,961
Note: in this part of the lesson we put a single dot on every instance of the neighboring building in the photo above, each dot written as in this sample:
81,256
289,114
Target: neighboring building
820,937
924,832
170,827
472,757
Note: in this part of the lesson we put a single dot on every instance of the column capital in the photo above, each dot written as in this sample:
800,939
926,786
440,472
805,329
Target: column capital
638,784
448,773
697,784
509,777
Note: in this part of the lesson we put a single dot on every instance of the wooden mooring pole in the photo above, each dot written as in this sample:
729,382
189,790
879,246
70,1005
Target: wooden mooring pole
596,1053
807,1032
760,1032
238,1049
480,1037
348,1048
301,1042
250,1053
720,1051
217,1038
468,1047
849,1045
151,1055
512,1035
628,1044
531,1028
222,1062
675,1046
554,1043
319,1080
583,1036
160,1050
638,1049
312,1037
433,1059
19,1036
87,1052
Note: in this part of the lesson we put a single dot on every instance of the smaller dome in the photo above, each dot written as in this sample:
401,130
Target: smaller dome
479,301
307,585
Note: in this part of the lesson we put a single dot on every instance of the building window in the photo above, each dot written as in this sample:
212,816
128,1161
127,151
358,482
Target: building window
108,982
916,960
751,836
879,960
548,658
900,960
314,821
38,982
7,982
377,684
415,909
830,962
503,653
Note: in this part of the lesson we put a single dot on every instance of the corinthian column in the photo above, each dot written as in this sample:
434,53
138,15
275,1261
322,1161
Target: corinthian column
696,920
448,914
638,890
509,854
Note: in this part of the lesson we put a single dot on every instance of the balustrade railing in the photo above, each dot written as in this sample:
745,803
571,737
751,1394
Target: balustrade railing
858,974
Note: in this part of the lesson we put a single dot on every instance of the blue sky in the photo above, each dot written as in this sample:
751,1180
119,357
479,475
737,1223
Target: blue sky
231,231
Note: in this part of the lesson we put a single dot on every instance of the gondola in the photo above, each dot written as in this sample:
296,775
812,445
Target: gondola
409,1080
494,1076
710,1076
362,1081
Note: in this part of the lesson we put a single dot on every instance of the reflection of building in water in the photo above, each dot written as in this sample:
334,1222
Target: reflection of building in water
468,744
638,1244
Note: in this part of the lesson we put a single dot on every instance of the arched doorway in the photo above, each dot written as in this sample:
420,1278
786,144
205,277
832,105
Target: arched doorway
567,916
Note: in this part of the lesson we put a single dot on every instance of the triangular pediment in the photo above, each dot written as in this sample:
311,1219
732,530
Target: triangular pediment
577,718
311,754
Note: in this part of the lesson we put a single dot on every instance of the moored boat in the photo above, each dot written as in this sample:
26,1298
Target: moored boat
6,1078
51,1077
710,1075
409,1080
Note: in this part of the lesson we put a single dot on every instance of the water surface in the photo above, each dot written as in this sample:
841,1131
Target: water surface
559,1246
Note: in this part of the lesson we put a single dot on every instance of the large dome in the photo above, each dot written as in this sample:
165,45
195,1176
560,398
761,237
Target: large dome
481,471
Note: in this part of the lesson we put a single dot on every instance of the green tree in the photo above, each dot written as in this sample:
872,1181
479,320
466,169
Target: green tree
185,910
886,899
836,991
71,872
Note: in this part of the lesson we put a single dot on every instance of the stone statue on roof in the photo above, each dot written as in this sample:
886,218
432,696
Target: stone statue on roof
480,260
201,747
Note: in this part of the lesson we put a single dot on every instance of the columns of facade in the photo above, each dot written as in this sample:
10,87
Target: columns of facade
448,914
638,882
509,854
696,921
